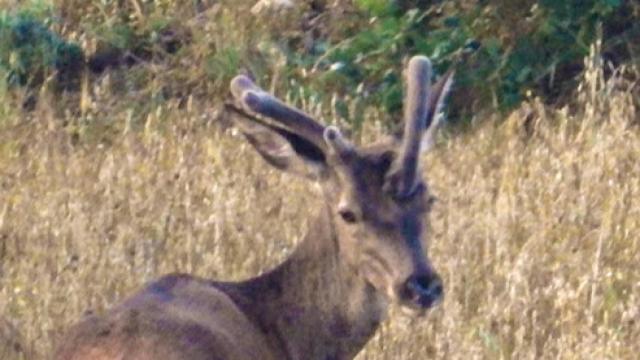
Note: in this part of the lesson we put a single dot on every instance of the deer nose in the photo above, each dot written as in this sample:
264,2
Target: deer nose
423,290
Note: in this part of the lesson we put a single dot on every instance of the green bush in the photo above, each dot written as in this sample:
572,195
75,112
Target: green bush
29,50
506,49
346,55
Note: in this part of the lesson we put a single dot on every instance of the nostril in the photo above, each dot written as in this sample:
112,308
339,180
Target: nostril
423,281
436,289
424,289
419,283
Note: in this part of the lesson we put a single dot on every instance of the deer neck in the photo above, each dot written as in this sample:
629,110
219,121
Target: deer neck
314,305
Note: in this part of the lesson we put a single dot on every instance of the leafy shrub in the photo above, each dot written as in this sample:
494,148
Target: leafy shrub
509,48
29,50
345,55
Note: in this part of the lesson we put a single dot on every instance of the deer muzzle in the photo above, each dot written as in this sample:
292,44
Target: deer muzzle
422,291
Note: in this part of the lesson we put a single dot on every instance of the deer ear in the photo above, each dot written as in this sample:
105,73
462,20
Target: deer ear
283,149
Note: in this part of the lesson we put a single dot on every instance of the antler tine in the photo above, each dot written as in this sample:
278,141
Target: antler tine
438,91
258,101
418,77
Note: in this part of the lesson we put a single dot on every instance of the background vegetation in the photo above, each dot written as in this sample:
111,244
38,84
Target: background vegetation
116,166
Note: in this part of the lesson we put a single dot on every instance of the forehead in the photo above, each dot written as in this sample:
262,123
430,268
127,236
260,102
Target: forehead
370,166
365,174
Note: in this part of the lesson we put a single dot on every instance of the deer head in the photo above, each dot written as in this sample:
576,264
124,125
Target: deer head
378,200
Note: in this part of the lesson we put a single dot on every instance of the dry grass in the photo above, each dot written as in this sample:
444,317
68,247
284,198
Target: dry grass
537,232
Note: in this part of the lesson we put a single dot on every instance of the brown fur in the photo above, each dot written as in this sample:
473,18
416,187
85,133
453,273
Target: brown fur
365,248
313,306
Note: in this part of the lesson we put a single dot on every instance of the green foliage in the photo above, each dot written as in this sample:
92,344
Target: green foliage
509,49
347,57
376,7
223,64
29,50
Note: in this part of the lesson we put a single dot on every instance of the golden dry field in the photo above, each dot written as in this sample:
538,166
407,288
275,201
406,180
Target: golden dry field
536,231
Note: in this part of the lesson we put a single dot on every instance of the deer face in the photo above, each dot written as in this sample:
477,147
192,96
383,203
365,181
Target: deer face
381,235
378,200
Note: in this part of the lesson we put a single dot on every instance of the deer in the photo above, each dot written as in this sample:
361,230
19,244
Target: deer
365,251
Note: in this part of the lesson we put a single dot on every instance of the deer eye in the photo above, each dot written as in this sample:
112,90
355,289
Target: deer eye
348,216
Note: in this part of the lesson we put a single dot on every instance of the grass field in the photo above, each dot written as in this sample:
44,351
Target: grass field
536,232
